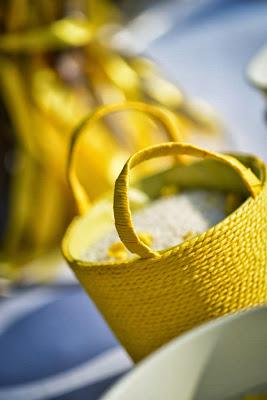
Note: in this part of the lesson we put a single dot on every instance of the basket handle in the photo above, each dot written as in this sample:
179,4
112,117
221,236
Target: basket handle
165,117
122,212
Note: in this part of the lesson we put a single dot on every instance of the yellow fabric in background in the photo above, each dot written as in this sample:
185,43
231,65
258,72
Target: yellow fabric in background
56,69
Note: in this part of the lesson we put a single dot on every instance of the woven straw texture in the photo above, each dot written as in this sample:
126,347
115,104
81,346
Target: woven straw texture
158,295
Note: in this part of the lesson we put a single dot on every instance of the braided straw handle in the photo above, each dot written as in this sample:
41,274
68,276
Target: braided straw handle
165,117
122,212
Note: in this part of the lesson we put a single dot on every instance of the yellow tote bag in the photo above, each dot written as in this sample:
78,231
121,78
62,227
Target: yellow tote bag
155,296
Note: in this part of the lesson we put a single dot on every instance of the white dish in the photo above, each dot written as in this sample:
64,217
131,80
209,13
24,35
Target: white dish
219,360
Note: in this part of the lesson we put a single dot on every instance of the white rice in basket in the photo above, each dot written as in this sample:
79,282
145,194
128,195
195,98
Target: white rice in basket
169,220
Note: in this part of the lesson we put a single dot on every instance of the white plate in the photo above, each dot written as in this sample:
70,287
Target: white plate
220,360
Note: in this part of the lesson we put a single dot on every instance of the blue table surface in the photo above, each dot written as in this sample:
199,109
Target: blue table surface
53,342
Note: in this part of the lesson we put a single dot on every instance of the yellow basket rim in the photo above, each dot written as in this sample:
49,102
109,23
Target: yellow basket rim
83,265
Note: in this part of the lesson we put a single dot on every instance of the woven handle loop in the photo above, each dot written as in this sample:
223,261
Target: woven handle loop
158,113
122,212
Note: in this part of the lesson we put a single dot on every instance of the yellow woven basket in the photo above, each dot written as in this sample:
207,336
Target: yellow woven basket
155,296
